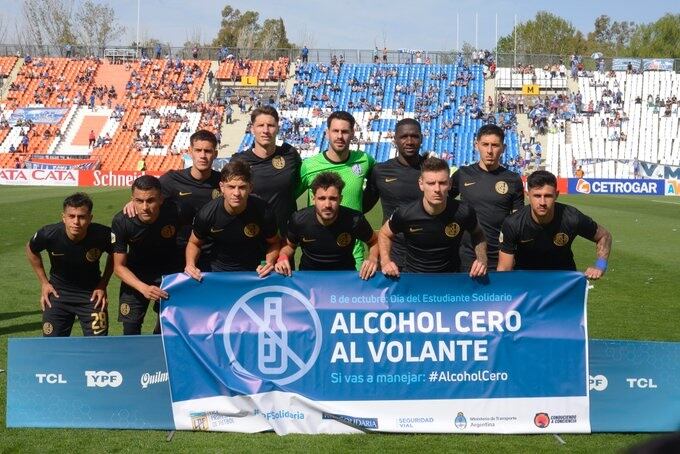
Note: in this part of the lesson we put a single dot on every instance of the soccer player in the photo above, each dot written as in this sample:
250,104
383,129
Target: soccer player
492,190
275,169
241,225
354,167
539,236
144,249
433,228
326,232
76,286
193,187
395,181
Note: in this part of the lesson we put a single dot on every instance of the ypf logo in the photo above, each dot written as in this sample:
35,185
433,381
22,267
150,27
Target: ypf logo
583,186
257,323
101,379
597,382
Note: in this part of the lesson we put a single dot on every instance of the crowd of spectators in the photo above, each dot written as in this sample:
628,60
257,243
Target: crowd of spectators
171,80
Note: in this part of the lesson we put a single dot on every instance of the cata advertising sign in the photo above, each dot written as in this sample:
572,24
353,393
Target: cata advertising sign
324,352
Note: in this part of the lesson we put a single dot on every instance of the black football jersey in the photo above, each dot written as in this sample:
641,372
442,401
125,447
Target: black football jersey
545,247
494,196
238,240
433,242
73,266
328,247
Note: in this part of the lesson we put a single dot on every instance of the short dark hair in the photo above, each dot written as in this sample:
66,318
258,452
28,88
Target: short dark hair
264,110
77,200
540,178
236,168
491,130
325,180
146,183
341,115
407,122
434,164
203,134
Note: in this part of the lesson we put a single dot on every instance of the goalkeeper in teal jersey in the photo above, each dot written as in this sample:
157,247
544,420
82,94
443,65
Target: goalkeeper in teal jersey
352,166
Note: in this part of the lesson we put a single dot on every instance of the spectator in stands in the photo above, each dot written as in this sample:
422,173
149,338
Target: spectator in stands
91,139
636,167
580,173
12,149
305,54
17,163
24,144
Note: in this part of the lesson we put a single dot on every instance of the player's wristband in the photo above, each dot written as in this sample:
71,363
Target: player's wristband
282,258
601,264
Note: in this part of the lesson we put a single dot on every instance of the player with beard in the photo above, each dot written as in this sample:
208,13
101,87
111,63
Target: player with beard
395,182
540,235
492,190
326,232
354,167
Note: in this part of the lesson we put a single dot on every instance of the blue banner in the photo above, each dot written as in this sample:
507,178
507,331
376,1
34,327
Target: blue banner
115,383
633,385
621,64
615,187
327,352
38,115
657,64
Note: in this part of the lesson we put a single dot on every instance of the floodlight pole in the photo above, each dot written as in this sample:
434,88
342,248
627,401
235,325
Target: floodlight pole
137,40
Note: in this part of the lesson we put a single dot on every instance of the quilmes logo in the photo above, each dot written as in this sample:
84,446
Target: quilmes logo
153,378
101,379
276,359
583,186
597,382
460,421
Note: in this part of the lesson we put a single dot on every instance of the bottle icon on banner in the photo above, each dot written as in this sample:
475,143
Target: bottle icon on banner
272,359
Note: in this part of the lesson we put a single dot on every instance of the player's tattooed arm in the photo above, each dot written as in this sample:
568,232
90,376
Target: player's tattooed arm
603,245
478,267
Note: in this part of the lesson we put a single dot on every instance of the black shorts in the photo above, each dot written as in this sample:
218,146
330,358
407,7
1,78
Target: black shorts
133,305
58,320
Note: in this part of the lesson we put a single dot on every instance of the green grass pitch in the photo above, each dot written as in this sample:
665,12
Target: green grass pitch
637,299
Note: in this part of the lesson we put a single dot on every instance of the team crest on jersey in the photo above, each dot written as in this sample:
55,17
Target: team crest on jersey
561,239
452,230
344,239
168,231
501,187
124,309
216,193
251,230
356,168
47,328
278,162
93,254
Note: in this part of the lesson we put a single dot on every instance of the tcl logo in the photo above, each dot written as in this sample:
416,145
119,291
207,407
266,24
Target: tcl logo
645,383
51,379
100,379
597,383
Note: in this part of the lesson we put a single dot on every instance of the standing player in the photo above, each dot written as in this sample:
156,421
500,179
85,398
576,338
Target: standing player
191,188
326,232
540,235
144,249
275,169
433,228
75,286
395,181
354,167
242,227
492,190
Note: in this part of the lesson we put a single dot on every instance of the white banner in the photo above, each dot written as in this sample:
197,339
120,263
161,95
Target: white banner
38,177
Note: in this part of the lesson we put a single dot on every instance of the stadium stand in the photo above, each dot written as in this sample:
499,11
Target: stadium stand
265,70
622,117
448,100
